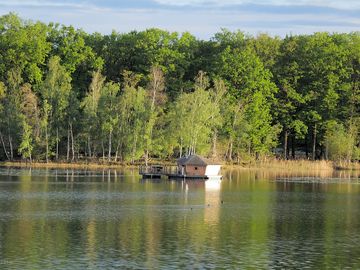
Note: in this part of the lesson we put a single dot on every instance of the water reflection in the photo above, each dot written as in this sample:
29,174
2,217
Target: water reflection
212,201
70,219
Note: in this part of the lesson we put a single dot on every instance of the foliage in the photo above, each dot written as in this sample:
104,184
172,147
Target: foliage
67,94
340,142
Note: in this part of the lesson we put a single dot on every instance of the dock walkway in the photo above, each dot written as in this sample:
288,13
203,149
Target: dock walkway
171,172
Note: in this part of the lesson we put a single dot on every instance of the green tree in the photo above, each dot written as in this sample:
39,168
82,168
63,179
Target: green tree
289,99
30,116
3,117
193,117
267,48
251,88
12,111
341,142
132,118
90,112
108,114
324,70
24,47
26,145
157,98
55,91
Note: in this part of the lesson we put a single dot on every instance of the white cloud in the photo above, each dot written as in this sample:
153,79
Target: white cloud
341,4
201,22
40,3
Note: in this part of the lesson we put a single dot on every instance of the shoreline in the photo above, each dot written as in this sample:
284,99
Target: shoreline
63,165
268,164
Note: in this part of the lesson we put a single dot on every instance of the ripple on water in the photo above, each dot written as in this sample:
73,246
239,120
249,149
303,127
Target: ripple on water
142,225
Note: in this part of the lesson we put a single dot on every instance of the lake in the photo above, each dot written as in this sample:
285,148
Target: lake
76,219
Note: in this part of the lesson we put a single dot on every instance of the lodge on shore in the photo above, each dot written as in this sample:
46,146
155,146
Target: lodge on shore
188,167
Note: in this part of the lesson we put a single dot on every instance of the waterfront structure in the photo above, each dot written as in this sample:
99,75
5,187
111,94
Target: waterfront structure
188,167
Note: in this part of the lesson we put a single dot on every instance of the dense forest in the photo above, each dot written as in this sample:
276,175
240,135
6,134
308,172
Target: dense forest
125,97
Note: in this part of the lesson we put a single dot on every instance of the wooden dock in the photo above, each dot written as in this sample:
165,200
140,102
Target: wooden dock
151,171
171,172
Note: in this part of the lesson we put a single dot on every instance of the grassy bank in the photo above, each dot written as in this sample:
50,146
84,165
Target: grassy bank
294,165
318,165
64,165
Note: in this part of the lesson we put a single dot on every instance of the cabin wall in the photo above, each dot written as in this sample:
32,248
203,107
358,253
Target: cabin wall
192,170
212,170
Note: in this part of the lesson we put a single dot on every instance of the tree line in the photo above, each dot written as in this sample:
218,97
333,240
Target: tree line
69,95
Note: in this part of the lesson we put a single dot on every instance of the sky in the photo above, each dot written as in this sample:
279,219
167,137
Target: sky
203,18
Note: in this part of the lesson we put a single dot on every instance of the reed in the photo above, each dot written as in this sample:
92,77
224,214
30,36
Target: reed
296,164
345,165
64,165
278,164
299,165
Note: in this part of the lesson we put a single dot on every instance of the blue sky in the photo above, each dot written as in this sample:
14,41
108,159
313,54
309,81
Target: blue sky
202,18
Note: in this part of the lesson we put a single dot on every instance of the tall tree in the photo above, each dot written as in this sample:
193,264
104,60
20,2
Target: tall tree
289,99
55,91
157,98
132,112
3,118
108,115
323,68
90,112
193,118
30,116
24,47
251,86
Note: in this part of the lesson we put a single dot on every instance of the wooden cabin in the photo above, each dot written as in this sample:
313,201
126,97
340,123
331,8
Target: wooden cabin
194,166
191,167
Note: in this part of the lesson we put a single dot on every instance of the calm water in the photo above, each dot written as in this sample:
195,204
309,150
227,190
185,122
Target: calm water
58,219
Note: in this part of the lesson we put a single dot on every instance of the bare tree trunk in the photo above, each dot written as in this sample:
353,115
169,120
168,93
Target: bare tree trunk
181,146
103,149
327,150
117,151
286,135
47,145
134,149
57,143
314,144
72,142
68,145
94,153
214,142
293,147
89,146
11,148
230,151
110,137
146,157
4,146
10,142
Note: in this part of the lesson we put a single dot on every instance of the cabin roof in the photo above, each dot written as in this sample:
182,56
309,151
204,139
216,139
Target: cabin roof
195,160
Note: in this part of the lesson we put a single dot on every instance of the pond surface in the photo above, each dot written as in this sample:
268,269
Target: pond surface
65,219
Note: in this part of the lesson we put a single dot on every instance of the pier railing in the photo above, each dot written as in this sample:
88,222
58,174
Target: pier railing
158,170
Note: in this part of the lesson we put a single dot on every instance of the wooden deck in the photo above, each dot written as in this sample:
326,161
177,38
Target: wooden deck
184,176
171,172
